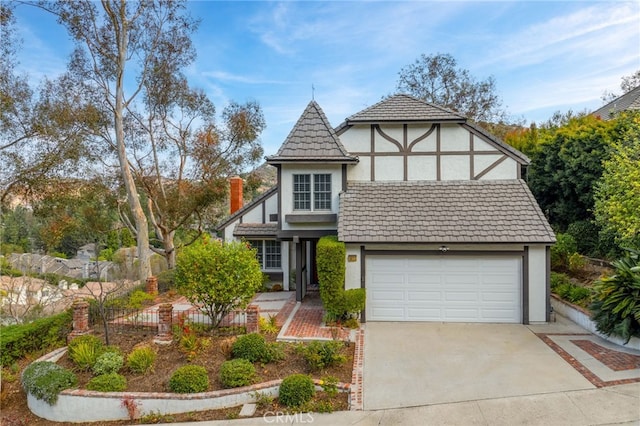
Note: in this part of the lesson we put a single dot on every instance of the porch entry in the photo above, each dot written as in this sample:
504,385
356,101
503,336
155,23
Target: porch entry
306,267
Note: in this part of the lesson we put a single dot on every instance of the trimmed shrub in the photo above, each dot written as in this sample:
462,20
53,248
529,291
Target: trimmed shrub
17,341
108,362
236,373
616,306
110,382
330,258
296,390
253,347
45,380
141,359
189,379
85,350
320,355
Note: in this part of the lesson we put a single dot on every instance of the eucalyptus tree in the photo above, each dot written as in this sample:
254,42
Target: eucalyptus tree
120,47
182,158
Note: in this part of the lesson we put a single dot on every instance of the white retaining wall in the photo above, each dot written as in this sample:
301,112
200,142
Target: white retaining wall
583,319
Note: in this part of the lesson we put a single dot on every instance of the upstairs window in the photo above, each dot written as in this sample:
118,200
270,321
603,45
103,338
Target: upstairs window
321,195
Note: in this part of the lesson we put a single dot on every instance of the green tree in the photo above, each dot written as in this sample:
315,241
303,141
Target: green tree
437,79
564,172
218,276
617,194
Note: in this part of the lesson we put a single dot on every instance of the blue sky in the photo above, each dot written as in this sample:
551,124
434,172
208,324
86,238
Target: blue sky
545,56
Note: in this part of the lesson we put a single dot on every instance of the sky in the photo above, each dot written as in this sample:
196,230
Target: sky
545,56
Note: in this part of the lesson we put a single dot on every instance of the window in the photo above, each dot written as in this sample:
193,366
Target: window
268,253
302,192
271,254
321,192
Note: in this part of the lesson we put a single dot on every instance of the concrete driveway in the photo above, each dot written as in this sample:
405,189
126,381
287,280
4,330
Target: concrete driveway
411,364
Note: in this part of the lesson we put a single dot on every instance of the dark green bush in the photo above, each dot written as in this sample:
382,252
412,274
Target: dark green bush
110,382
85,350
330,258
236,373
165,280
320,355
586,235
578,294
108,362
296,390
17,341
189,379
45,380
558,279
616,305
254,348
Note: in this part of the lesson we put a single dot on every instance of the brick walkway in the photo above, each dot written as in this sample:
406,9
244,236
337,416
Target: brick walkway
617,361
307,322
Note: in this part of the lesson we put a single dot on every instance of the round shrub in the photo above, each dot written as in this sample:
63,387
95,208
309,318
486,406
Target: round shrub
85,350
45,380
108,362
296,389
189,379
111,382
236,373
253,348
141,359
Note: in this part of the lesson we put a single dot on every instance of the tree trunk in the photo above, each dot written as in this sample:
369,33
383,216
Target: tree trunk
142,230
170,250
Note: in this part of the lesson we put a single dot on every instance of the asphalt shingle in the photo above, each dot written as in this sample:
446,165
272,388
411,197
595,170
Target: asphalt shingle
497,211
312,139
404,108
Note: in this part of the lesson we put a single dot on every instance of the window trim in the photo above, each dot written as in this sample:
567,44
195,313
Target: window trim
262,254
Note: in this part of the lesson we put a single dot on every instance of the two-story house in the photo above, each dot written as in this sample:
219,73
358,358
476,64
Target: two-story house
439,224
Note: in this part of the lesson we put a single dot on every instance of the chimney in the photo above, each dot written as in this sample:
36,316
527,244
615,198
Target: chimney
236,193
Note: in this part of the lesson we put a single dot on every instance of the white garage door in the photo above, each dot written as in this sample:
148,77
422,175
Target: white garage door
438,288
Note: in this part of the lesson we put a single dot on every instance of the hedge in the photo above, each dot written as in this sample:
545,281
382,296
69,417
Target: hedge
17,341
338,302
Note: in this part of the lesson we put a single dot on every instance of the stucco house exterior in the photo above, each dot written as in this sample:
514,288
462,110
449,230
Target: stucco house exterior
438,222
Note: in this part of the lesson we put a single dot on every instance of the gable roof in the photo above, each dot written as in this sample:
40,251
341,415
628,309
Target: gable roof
312,139
628,101
404,108
229,219
499,211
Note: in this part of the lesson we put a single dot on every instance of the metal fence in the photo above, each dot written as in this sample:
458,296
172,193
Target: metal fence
122,319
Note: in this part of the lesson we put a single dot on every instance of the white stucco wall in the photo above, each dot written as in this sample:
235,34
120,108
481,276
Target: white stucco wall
352,273
537,284
286,190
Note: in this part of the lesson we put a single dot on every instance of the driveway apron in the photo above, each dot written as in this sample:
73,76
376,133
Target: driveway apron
411,364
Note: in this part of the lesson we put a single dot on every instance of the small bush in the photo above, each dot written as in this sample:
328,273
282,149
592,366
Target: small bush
320,355
577,264
189,379
564,247
85,350
296,390
138,299
558,279
236,373
108,362
141,359
110,382
268,326
578,294
254,348
45,380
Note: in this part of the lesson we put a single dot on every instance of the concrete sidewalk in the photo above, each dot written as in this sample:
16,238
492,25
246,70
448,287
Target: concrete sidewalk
604,406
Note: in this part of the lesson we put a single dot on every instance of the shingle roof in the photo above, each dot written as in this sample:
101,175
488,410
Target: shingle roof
404,108
498,211
628,101
256,230
312,139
